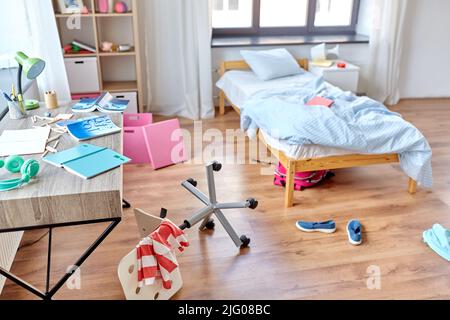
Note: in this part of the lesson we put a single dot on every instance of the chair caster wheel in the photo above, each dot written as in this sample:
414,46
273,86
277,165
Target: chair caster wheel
253,203
192,182
217,166
210,225
245,242
125,204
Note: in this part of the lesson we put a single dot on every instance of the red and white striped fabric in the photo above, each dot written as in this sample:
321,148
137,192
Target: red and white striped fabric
156,254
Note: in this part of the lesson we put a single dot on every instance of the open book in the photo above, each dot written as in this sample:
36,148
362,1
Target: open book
104,103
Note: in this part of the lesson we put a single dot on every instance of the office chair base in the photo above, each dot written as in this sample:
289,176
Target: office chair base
214,208
245,241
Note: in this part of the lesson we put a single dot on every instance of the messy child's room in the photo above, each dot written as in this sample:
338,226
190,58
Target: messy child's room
224,150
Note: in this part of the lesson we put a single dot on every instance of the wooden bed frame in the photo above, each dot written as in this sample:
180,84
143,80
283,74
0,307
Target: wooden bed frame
325,163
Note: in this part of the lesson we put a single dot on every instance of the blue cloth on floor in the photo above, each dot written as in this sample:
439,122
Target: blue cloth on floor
438,239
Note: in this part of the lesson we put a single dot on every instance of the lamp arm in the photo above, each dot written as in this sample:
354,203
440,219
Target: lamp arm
19,80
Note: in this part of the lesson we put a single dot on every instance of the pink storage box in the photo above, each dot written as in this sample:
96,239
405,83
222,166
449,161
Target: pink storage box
160,144
135,137
165,143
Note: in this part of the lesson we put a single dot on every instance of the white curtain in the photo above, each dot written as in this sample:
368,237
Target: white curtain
178,57
386,46
46,45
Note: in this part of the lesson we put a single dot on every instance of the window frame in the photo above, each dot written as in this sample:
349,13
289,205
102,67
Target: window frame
309,29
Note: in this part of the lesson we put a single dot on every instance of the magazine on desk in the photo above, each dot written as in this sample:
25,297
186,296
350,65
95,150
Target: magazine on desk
91,127
105,103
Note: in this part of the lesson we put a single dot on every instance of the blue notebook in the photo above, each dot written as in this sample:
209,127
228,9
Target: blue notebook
92,127
87,161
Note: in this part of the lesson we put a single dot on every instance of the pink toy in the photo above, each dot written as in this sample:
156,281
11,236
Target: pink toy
135,137
103,6
164,149
120,7
107,46
302,180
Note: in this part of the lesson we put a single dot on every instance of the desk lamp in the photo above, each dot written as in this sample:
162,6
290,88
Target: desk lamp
32,67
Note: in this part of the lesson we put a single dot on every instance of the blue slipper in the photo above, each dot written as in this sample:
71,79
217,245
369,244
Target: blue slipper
354,231
325,227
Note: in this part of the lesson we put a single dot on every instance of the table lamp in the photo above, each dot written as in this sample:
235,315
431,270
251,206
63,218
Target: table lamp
32,67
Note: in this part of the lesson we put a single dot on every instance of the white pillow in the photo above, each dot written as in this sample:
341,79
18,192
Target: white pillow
271,64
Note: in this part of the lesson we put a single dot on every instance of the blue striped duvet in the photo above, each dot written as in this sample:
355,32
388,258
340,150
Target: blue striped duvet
354,123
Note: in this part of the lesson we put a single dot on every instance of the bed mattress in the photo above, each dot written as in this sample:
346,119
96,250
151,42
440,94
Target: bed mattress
239,86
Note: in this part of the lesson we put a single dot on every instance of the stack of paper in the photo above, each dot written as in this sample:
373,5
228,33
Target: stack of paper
24,142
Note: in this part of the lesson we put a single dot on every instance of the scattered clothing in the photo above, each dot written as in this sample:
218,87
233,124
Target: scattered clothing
156,254
354,231
438,239
325,227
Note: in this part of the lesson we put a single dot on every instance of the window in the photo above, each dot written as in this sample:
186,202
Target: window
284,17
15,36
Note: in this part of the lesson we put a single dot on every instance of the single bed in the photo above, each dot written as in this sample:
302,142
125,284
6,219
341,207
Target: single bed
238,83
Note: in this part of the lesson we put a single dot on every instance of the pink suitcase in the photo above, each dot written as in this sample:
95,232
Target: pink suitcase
302,180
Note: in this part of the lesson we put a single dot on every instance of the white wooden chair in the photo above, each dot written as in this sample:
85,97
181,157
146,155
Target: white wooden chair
127,269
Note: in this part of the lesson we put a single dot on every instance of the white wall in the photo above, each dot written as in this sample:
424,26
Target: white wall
426,64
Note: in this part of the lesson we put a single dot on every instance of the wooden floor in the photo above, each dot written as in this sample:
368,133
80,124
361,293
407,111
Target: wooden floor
282,262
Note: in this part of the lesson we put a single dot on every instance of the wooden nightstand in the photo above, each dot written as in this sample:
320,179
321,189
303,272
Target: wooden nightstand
345,78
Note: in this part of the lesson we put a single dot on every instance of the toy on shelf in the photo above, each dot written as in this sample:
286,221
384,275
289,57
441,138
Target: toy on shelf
125,48
120,7
103,6
107,46
77,47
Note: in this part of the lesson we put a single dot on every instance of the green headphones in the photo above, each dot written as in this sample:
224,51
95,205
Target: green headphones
15,164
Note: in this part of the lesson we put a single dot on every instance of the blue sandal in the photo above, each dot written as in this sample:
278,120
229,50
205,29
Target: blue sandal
325,227
354,231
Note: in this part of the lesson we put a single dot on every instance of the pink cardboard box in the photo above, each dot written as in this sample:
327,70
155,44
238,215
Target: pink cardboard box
135,137
160,143
165,143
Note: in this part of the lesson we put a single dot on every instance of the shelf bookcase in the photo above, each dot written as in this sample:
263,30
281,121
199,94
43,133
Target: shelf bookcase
119,28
